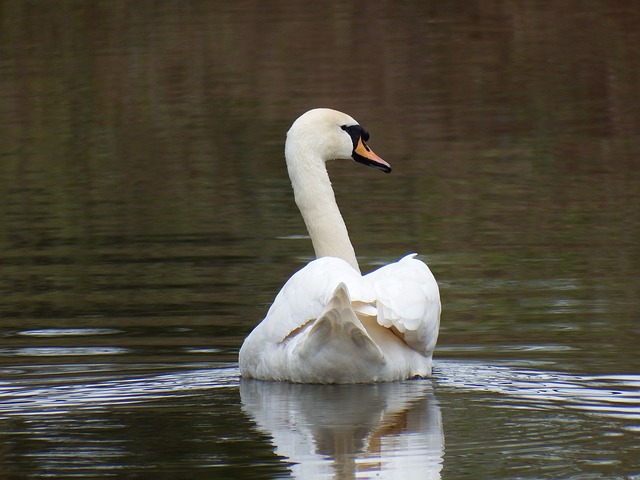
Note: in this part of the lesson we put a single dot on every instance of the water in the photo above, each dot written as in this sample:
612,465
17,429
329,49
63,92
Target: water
472,419
147,223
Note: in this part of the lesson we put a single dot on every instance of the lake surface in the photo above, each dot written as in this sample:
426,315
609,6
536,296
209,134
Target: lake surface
147,222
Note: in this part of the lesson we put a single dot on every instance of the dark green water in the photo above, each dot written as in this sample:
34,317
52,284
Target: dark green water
146,223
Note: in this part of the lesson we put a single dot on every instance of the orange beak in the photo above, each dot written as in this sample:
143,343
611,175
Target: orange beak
363,154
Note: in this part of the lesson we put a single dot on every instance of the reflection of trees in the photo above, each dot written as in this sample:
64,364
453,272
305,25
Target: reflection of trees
133,132
135,77
390,430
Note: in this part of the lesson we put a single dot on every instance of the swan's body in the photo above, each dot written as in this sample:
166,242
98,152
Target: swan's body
330,324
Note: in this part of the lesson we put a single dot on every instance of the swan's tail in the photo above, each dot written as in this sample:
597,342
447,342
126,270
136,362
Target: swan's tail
337,346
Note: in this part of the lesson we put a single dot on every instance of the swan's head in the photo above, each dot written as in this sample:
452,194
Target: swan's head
327,134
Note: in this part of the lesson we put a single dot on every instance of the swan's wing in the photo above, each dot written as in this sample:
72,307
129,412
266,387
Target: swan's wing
339,322
408,300
306,294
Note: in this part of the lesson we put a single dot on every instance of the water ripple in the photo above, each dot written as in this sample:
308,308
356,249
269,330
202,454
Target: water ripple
17,398
69,332
62,351
616,396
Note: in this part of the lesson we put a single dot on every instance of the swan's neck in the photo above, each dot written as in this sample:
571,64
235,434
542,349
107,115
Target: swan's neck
317,203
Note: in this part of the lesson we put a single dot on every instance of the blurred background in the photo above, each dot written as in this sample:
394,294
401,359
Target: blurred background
146,217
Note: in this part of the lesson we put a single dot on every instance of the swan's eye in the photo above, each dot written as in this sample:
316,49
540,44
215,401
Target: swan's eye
356,132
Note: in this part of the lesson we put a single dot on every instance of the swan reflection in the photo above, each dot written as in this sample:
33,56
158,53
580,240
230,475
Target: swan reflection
384,430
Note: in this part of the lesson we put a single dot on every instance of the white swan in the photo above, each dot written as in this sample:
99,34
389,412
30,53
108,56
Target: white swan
330,324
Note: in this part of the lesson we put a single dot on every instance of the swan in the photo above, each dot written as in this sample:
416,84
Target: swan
329,323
